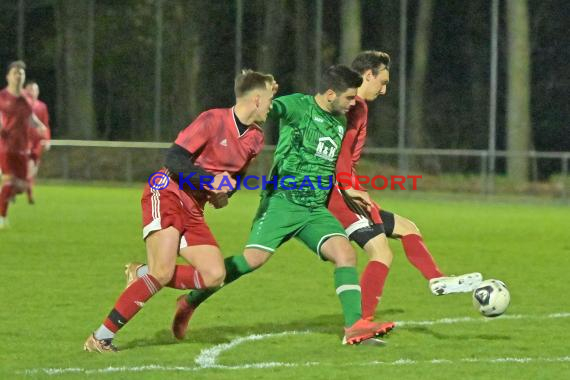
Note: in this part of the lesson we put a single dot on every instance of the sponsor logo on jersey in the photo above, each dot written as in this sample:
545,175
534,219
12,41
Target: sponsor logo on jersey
318,119
326,149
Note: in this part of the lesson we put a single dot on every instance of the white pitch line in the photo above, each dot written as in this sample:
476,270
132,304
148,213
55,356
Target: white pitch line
399,362
207,359
447,321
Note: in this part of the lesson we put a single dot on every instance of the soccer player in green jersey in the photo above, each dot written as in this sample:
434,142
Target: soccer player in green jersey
311,129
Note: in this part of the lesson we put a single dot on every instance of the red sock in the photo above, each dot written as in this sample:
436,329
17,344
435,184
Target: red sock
186,277
371,286
419,256
5,195
131,301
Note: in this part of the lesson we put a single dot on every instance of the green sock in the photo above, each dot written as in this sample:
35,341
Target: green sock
348,291
236,266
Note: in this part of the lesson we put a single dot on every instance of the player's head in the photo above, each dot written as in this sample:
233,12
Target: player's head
32,89
16,74
374,66
338,88
255,90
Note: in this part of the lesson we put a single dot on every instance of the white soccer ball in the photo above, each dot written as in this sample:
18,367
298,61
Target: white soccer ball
491,298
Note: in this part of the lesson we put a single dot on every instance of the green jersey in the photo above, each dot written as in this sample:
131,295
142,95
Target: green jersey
309,145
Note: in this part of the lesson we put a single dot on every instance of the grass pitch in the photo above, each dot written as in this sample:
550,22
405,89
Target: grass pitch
63,258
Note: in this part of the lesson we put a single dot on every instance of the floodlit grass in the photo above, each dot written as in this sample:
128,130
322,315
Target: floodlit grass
62,269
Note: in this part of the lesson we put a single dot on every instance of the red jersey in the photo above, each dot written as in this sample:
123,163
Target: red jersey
216,144
39,108
353,142
15,112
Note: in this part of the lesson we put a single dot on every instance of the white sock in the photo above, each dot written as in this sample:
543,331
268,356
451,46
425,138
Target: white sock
104,333
142,271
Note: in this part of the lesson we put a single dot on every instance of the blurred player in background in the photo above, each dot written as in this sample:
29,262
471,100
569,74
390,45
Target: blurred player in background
38,143
16,118
220,144
366,223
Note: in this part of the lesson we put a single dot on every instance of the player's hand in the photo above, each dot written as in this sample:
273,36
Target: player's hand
360,197
227,182
218,200
46,145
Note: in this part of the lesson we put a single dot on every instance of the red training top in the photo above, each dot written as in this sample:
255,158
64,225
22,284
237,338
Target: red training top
15,112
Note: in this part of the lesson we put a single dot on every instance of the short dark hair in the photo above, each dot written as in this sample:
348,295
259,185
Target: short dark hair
249,80
16,65
339,78
371,60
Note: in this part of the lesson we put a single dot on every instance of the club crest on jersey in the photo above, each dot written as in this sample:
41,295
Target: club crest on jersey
224,142
326,149
340,130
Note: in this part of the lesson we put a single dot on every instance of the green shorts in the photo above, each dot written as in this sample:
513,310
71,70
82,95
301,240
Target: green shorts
278,220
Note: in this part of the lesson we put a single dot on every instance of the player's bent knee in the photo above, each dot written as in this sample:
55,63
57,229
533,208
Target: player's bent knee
339,251
162,275
346,259
256,257
378,249
213,277
406,227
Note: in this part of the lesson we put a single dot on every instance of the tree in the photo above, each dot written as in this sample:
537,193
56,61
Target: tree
518,89
268,50
74,62
187,49
418,133
351,30
302,64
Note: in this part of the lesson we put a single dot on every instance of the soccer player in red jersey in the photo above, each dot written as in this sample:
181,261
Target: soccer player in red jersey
16,118
366,223
220,144
37,142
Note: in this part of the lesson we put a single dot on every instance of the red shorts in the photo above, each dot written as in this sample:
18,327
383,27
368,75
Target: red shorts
172,207
14,164
350,220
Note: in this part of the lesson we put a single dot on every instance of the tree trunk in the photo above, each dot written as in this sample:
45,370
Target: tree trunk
351,30
76,25
477,52
302,64
268,52
59,74
418,135
518,91
383,112
186,65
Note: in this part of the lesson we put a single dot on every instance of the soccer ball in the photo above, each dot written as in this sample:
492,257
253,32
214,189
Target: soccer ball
491,298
